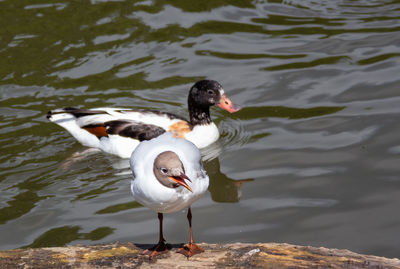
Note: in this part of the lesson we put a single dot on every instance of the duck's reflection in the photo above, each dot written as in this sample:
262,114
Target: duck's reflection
78,156
222,188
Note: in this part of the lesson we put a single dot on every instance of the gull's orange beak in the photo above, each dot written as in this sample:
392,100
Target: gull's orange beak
181,180
228,105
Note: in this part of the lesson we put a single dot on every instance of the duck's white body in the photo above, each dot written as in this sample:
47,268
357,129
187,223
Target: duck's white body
119,130
148,191
123,146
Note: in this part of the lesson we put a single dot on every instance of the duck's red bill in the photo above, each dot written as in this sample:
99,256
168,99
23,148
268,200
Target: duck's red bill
228,105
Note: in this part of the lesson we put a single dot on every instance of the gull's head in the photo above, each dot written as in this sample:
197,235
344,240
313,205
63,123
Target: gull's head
169,170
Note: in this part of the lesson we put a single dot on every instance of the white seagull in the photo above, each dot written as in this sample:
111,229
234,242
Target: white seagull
119,130
168,177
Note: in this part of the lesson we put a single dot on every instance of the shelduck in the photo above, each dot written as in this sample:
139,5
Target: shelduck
119,130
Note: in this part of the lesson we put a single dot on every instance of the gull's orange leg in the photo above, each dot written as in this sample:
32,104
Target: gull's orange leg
161,247
191,248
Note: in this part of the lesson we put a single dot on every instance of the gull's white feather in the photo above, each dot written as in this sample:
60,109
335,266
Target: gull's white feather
148,191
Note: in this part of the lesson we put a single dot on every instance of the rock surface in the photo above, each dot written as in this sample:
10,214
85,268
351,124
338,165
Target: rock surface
238,255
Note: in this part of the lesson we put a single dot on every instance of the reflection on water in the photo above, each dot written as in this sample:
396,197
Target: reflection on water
20,204
222,188
308,160
64,235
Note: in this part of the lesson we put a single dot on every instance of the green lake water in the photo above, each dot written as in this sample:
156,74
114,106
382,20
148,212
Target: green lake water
313,158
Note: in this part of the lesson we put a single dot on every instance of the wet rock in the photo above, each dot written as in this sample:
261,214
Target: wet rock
238,255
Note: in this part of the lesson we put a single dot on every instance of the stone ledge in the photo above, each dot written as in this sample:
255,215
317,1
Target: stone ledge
237,255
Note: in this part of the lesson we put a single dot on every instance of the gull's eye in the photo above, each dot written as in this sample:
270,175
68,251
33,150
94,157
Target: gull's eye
164,170
210,92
